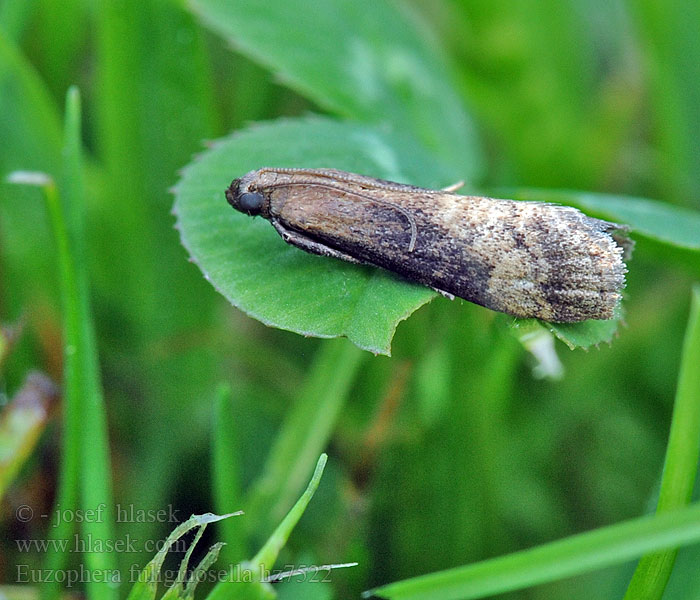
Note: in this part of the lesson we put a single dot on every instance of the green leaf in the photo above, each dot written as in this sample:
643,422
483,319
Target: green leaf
574,555
30,139
14,16
575,335
30,128
363,59
658,221
274,282
587,333
670,45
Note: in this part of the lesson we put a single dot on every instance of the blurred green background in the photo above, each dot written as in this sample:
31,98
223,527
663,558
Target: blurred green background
448,452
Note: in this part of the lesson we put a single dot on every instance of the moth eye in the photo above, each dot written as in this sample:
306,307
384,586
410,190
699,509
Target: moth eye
251,202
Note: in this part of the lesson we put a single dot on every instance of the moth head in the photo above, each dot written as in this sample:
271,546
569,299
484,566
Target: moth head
245,199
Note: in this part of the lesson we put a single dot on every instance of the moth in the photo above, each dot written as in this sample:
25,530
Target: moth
526,259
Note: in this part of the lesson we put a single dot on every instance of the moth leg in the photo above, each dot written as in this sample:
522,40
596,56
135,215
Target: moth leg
444,293
306,243
454,187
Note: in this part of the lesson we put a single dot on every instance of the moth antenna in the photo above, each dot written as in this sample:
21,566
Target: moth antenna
458,185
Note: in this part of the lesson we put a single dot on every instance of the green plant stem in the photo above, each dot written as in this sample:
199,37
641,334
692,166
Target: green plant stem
681,463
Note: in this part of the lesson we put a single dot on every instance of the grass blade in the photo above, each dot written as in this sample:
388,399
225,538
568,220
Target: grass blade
248,579
556,560
681,464
146,585
225,475
267,555
306,431
86,466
